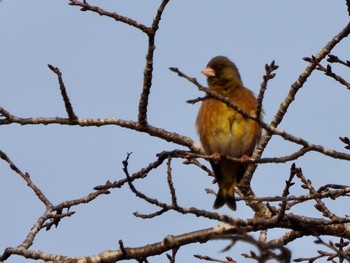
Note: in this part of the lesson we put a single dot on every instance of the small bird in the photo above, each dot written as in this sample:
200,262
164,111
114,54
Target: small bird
224,131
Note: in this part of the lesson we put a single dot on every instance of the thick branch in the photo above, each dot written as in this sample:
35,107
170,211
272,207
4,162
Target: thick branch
148,71
151,130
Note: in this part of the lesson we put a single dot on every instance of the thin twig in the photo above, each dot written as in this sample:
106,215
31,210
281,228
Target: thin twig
119,18
152,201
320,206
215,95
170,184
335,59
268,76
27,179
66,100
152,215
289,184
328,71
5,113
346,141
56,218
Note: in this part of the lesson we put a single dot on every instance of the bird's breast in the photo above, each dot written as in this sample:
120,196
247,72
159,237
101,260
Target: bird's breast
223,130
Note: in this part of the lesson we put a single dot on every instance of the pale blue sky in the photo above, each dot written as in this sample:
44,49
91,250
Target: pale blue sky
102,64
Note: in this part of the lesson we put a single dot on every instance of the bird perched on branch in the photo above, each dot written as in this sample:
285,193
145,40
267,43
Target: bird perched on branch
223,130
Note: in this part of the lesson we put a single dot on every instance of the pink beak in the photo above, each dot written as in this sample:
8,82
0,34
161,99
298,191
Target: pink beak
208,72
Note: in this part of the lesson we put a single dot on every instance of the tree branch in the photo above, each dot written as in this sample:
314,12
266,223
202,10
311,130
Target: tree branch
66,100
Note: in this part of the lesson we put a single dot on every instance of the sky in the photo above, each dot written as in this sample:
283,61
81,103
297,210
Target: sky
102,63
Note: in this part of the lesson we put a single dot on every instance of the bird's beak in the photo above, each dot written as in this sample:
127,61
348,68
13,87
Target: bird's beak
208,72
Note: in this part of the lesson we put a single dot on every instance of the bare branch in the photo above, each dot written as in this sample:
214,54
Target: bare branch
296,86
320,206
151,33
27,179
148,71
346,141
207,258
5,113
213,94
338,252
328,71
66,100
348,5
335,59
151,130
289,184
170,183
119,18
268,76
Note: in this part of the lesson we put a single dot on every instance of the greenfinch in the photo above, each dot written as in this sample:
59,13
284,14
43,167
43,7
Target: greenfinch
224,131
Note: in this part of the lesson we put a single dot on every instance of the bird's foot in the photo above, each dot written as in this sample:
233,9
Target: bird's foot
246,159
215,157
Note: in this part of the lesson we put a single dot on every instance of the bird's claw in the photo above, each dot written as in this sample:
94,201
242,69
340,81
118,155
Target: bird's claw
246,159
216,157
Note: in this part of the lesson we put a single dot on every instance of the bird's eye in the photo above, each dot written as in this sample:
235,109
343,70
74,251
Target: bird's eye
218,68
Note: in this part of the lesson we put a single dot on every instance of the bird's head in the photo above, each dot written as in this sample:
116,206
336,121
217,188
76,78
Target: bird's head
220,71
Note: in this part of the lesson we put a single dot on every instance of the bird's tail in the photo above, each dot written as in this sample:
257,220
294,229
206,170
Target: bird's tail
225,196
227,174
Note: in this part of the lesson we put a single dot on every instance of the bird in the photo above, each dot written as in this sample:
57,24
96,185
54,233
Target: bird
224,131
